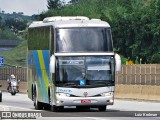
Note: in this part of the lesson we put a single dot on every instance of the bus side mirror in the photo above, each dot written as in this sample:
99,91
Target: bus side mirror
52,64
0,85
118,62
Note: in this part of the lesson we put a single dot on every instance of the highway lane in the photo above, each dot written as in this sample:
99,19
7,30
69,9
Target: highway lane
20,102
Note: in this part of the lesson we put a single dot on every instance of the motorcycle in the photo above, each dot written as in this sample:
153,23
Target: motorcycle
13,86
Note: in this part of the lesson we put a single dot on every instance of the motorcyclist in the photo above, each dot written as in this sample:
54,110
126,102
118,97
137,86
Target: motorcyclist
12,77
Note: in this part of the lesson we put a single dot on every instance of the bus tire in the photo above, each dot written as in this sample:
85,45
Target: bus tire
47,106
32,93
50,102
102,108
56,108
0,96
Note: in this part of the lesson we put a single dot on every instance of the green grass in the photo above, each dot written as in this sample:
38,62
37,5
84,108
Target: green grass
17,55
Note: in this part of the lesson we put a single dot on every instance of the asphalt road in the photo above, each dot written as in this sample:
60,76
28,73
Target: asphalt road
122,109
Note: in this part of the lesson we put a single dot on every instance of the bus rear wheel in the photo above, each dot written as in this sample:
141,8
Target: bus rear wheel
102,108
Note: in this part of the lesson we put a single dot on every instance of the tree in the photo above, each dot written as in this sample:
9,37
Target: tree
16,24
55,4
74,2
135,23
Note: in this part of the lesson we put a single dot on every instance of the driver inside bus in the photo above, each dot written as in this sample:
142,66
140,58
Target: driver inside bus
99,75
80,75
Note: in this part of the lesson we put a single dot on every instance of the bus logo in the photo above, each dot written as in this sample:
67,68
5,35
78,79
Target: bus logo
85,94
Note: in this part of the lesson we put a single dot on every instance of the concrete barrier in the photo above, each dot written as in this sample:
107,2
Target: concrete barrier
138,92
22,86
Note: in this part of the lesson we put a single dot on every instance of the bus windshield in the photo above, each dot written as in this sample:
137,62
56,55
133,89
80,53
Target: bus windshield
83,39
94,70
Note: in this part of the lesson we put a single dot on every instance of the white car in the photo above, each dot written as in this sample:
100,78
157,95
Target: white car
0,94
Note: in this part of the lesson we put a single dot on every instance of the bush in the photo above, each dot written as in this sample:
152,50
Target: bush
156,58
123,59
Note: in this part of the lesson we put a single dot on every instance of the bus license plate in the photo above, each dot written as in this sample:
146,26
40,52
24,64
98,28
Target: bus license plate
85,101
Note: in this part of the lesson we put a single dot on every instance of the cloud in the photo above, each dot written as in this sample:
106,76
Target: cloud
28,7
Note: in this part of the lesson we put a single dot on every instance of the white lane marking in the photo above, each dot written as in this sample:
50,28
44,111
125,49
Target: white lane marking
6,108
72,118
95,118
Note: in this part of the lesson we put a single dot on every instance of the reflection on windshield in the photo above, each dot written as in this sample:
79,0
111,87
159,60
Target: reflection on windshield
75,69
83,40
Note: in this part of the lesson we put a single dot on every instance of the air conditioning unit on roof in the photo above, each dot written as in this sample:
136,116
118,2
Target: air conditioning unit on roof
37,22
60,18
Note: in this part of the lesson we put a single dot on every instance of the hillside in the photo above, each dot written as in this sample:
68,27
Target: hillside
20,16
17,55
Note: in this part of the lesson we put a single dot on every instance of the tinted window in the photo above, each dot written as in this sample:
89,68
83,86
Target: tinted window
83,40
39,38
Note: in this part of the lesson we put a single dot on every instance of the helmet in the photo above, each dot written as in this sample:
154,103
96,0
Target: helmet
12,76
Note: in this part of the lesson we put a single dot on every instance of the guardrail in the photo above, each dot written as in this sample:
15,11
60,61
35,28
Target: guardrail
144,74
20,73
9,43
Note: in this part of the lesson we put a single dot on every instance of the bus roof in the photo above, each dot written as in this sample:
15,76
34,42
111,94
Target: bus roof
75,21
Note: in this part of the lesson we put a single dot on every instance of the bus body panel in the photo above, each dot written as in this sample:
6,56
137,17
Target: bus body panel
39,62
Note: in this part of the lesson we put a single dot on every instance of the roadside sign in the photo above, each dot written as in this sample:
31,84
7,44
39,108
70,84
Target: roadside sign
1,61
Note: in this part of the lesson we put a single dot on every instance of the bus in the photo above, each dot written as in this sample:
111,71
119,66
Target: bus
71,62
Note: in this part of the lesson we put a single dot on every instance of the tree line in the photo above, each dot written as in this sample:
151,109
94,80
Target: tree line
11,25
135,24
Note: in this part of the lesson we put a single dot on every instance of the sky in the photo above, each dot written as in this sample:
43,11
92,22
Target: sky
28,7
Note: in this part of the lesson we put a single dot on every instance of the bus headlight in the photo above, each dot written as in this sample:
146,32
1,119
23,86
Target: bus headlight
63,94
107,94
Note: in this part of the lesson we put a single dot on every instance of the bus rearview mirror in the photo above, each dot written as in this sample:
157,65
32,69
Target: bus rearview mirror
118,63
52,64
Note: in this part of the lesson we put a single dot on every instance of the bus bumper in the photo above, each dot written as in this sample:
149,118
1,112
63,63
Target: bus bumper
83,101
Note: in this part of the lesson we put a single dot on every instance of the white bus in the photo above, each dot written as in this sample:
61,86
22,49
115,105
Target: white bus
71,63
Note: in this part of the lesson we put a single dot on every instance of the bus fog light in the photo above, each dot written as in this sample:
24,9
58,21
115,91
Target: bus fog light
111,101
58,102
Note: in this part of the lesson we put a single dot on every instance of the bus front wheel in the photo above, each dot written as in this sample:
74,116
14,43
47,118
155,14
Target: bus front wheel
56,108
102,108
38,105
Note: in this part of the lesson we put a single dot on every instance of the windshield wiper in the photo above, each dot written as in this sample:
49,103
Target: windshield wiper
100,83
69,84
103,83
